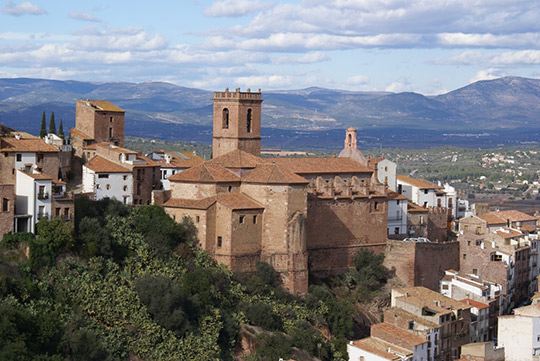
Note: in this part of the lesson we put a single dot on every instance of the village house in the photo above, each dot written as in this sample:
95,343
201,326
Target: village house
519,334
452,316
467,286
173,162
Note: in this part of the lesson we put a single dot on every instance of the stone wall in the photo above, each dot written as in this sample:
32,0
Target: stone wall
338,228
7,208
421,264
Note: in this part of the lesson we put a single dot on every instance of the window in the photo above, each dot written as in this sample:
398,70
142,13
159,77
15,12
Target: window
248,122
5,205
475,271
242,219
230,189
19,157
97,185
464,256
225,118
103,176
478,242
125,188
425,205
219,241
255,219
110,119
39,157
445,287
396,230
57,212
125,177
468,243
411,325
108,186
110,133
198,219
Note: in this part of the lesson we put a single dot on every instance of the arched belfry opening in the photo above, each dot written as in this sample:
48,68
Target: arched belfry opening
248,121
225,118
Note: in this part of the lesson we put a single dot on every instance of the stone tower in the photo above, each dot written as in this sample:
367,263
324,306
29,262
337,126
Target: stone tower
237,122
350,149
101,120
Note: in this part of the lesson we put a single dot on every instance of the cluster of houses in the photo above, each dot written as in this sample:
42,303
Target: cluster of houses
288,211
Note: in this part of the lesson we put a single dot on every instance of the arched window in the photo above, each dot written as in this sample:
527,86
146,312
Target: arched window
350,139
248,123
225,119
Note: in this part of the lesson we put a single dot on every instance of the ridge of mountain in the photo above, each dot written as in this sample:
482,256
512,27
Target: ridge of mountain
488,105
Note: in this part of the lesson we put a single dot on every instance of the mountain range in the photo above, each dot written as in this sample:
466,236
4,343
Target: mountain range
499,107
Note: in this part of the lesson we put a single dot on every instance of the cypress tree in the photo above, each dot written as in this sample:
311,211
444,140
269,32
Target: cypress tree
52,125
43,130
61,130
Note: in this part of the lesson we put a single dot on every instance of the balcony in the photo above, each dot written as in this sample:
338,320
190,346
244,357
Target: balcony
43,195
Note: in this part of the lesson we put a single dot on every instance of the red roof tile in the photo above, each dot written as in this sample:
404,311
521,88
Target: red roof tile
31,145
420,183
237,159
205,173
395,195
272,174
79,133
104,105
473,303
320,165
101,165
190,203
237,201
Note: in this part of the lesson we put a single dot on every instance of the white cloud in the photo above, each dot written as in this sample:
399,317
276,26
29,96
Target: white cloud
83,16
357,80
308,58
120,39
487,74
234,8
399,86
24,8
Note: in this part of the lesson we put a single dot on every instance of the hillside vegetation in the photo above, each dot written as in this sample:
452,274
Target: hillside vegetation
127,283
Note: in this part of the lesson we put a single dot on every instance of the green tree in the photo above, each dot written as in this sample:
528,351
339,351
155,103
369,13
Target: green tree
43,130
61,130
52,125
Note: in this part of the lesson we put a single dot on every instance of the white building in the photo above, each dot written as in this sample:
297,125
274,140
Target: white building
418,191
32,199
519,334
172,163
108,180
386,171
397,214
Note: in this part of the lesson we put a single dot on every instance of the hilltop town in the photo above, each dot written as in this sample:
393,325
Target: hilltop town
464,276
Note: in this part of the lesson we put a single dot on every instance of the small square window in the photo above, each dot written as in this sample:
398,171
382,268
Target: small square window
198,219
19,157
108,186
242,219
125,177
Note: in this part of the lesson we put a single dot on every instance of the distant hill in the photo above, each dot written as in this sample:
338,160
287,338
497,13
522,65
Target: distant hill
163,110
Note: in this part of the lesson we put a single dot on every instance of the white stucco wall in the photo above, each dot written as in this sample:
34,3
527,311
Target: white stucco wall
397,216
516,334
26,158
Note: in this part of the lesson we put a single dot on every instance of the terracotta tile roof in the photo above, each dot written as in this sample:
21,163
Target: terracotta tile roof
237,201
190,203
422,296
58,182
528,228
490,218
272,174
149,162
31,145
79,133
374,161
396,336
115,148
473,303
205,173
37,176
90,147
395,195
514,216
420,183
105,105
320,165
506,232
380,348
411,317
414,208
101,165
237,159
180,160
529,311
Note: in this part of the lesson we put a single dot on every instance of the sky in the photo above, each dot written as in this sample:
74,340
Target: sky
426,46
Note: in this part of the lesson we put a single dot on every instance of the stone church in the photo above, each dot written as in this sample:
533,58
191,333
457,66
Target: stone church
298,214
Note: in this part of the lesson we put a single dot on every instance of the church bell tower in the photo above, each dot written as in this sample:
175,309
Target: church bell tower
237,122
